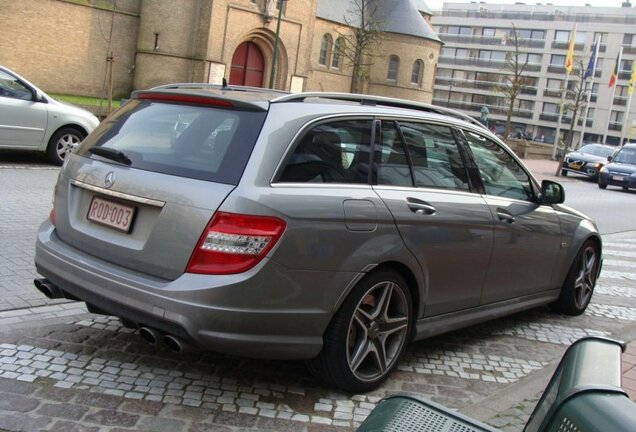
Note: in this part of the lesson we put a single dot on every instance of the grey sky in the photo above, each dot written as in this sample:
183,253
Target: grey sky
437,5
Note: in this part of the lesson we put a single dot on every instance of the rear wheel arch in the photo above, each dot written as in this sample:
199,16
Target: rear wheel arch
411,284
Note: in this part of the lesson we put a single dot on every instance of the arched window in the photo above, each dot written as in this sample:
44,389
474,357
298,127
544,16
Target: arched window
416,73
337,53
394,63
325,50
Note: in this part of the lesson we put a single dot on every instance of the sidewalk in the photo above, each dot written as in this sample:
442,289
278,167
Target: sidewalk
629,370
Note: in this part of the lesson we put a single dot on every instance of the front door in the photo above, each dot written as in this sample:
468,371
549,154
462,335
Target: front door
248,65
527,235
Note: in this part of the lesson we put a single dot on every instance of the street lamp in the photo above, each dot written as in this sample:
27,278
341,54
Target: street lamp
450,90
272,72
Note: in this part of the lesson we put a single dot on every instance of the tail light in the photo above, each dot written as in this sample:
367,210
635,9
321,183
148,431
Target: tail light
233,243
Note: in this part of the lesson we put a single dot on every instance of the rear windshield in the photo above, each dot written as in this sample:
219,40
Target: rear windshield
199,142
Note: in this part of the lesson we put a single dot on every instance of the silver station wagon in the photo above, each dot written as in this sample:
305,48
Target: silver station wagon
329,227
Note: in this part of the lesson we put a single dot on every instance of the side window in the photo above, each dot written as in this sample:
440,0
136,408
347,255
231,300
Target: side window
435,156
499,172
390,158
11,87
335,152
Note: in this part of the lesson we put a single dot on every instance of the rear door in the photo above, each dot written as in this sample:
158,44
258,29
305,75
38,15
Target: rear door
444,224
142,188
22,121
527,235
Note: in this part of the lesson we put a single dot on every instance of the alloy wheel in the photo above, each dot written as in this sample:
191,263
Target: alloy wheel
66,144
377,331
585,278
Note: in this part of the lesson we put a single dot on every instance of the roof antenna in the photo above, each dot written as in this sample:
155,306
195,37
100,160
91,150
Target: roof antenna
224,84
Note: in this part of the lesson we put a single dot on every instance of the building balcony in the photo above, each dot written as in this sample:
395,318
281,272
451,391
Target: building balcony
588,123
476,107
629,49
564,45
489,40
620,100
497,64
552,93
551,117
556,68
624,75
615,126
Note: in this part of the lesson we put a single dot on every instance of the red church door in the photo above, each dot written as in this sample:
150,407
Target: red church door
248,65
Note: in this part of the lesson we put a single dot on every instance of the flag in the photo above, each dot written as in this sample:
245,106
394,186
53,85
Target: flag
632,80
591,66
569,57
614,75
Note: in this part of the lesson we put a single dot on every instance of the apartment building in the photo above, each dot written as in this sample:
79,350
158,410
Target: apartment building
478,39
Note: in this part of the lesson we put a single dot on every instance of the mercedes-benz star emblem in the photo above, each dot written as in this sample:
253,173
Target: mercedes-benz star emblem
109,180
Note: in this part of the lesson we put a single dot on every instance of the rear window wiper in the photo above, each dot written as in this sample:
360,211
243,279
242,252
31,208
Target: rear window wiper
112,154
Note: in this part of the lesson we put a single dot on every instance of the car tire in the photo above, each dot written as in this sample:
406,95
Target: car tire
62,143
368,334
564,173
578,287
602,185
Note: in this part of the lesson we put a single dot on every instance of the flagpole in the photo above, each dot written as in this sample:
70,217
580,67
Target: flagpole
589,93
609,111
630,90
568,69
626,120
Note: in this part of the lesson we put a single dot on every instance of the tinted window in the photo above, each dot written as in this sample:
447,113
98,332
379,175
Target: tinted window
206,143
335,152
435,156
390,158
499,171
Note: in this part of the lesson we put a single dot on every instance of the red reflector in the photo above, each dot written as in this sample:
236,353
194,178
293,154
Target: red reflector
167,97
52,216
233,243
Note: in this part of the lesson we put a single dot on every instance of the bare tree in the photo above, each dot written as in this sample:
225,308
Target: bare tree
575,96
361,42
514,80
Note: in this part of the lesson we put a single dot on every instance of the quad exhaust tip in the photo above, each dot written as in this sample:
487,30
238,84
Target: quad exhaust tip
151,336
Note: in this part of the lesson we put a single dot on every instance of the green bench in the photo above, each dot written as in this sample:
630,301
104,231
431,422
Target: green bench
583,395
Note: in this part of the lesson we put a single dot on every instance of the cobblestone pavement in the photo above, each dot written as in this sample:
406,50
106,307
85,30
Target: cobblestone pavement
62,368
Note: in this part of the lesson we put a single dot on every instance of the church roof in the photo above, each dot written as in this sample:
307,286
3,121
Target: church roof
395,16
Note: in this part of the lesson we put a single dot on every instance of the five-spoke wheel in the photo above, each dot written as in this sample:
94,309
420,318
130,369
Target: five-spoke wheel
368,333
578,287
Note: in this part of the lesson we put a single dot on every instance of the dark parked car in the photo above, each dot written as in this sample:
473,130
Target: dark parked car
322,226
587,160
621,170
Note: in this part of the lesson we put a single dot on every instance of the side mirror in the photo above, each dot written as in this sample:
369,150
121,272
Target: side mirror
552,192
609,158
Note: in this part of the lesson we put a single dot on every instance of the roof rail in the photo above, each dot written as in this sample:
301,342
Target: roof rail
379,100
218,87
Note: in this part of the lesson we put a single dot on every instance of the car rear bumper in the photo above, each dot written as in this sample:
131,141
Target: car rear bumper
617,180
267,312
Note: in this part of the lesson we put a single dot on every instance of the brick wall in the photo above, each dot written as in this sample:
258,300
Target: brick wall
61,46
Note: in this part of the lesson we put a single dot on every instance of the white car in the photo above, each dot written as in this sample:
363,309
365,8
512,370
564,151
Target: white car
32,120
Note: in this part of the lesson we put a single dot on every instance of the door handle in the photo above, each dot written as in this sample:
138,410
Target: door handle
504,216
420,207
